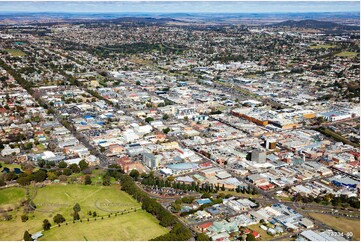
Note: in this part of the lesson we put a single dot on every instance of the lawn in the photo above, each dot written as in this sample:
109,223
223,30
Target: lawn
10,166
11,196
340,224
134,226
15,52
264,235
60,198
239,194
347,54
321,46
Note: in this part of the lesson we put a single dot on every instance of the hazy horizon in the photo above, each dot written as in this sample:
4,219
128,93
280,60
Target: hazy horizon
275,7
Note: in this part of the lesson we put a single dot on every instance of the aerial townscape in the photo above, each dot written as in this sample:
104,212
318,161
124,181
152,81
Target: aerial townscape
180,121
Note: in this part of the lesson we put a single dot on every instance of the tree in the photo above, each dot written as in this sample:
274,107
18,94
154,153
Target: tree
87,180
63,178
203,237
165,116
76,208
23,181
149,119
62,164
250,237
166,130
74,168
39,176
94,214
206,195
83,165
58,219
76,216
46,224
27,236
24,218
106,180
52,175
67,172
134,173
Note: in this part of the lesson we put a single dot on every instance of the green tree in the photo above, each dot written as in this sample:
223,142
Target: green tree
67,172
27,236
58,218
203,237
149,119
166,130
134,173
106,180
46,224
62,164
23,181
87,180
83,165
24,218
74,168
250,237
76,208
165,116
76,216
39,176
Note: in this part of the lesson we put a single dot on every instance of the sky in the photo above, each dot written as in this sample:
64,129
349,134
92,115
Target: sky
180,6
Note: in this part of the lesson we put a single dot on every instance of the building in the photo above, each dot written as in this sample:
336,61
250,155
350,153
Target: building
258,156
150,160
9,151
333,116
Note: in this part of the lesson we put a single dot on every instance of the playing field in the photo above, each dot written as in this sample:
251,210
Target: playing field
11,196
15,52
10,166
321,46
340,224
347,54
134,226
54,199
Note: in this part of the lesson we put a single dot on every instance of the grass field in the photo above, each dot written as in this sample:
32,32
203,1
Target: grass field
11,196
59,198
346,54
10,166
15,52
321,46
62,198
264,235
239,194
340,224
134,226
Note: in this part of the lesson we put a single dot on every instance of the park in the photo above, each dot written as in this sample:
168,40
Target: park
106,213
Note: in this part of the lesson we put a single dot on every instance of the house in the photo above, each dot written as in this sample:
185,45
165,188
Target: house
9,151
204,227
203,201
36,236
256,234
305,222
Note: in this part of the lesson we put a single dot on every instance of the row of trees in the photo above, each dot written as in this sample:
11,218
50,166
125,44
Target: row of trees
150,180
166,218
327,199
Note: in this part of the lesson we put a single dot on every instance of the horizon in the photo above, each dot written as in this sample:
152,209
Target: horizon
168,7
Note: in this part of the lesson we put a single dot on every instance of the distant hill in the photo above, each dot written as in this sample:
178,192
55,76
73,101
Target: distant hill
144,20
316,24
